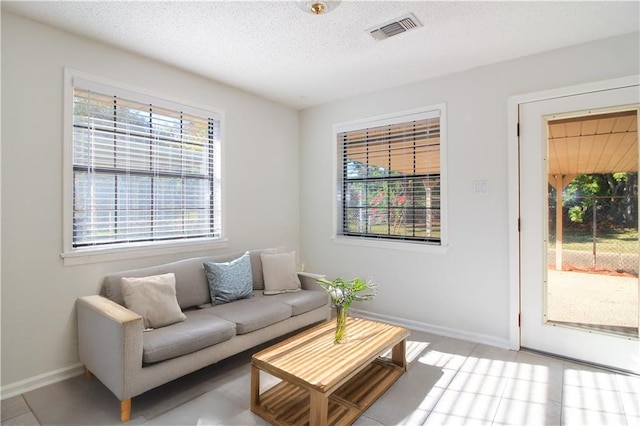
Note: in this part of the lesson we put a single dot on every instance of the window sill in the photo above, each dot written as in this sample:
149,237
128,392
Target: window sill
98,255
392,245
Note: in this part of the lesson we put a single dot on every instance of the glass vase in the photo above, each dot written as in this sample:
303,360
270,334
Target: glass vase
341,323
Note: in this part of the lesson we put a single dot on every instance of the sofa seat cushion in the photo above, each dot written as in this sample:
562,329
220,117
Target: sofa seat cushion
302,301
252,314
201,329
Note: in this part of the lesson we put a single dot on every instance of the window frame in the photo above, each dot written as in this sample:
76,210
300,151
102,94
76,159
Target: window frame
92,254
381,120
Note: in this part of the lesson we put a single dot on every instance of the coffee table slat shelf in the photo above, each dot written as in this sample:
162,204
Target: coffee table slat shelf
323,383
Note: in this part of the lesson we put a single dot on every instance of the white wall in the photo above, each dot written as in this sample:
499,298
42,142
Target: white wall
466,290
38,292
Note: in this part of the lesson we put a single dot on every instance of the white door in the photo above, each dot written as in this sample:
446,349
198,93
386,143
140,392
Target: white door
537,331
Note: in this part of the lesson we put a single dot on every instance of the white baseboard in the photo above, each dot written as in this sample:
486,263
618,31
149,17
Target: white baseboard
435,329
40,380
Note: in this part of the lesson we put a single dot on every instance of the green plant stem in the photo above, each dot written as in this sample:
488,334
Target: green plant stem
341,323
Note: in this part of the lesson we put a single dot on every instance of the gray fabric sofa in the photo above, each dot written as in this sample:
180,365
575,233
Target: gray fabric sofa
115,348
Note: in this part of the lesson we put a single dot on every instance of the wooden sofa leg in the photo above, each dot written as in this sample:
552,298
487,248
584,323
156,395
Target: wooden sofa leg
125,410
88,374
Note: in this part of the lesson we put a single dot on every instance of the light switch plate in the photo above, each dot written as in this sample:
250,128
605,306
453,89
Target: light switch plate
480,187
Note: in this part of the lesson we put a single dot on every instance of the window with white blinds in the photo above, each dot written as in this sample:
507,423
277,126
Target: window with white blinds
142,171
389,179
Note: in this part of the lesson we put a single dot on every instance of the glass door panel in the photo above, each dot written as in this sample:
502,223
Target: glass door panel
592,172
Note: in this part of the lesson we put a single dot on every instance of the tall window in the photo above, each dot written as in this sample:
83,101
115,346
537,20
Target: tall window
389,179
143,170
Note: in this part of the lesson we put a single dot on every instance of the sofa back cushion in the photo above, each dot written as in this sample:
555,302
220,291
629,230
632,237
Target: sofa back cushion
153,298
192,287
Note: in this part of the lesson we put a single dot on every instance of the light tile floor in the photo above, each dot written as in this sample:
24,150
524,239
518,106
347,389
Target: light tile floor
449,382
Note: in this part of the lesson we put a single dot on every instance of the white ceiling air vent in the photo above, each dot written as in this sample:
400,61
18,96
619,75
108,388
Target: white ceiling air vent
395,27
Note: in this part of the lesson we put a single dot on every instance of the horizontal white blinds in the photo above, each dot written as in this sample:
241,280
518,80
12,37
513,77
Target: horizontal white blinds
390,180
404,148
142,172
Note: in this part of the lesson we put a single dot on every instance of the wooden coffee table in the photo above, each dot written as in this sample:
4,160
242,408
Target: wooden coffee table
323,383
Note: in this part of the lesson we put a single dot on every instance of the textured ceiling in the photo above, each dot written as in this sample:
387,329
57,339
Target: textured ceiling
273,49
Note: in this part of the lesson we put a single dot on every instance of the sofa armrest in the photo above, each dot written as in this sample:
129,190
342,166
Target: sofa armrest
110,342
308,281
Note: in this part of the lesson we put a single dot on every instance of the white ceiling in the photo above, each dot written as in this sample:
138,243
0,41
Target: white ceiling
273,49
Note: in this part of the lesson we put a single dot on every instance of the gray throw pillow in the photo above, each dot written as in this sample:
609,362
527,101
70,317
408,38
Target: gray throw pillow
229,281
154,299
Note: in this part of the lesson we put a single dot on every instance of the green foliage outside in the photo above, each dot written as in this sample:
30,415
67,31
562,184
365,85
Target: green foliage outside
385,202
584,191
614,197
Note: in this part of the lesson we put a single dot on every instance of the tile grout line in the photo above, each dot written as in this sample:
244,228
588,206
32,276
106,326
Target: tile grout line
624,406
28,412
449,384
504,388
31,409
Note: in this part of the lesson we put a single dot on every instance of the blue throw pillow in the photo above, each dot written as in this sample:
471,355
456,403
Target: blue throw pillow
230,281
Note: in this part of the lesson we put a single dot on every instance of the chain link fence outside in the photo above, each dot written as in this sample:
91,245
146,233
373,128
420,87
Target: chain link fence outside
600,234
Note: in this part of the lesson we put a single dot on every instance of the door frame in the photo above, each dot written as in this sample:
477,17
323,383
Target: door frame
513,182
